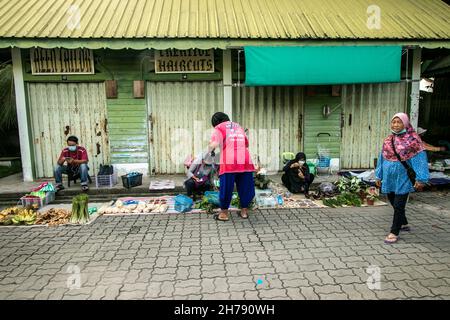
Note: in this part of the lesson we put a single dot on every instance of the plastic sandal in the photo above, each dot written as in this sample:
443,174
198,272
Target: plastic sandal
243,217
391,240
216,217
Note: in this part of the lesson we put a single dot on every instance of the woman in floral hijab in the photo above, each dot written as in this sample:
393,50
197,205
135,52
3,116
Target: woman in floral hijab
403,147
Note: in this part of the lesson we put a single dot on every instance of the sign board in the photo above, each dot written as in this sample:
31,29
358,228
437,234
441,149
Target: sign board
184,61
61,61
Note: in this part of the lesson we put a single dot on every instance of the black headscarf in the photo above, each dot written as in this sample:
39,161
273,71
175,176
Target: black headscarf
300,156
291,179
218,118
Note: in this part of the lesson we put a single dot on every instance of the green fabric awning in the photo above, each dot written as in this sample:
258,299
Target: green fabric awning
272,66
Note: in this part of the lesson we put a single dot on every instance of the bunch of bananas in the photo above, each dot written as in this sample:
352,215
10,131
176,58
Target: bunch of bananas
7,214
18,215
3,218
11,210
26,216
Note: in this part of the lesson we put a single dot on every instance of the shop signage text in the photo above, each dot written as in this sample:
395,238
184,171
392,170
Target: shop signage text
61,61
184,61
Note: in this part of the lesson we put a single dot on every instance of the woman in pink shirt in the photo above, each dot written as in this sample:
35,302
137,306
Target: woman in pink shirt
235,164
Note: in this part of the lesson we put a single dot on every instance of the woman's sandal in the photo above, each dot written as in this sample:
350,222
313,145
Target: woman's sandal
245,215
217,215
391,238
405,228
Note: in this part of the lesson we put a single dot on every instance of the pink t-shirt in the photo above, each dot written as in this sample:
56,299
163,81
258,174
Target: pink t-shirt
234,154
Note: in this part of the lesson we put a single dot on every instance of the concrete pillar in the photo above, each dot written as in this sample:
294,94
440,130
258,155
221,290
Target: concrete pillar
415,87
227,84
22,119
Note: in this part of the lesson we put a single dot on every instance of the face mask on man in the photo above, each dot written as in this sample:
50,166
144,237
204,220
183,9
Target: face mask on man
72,148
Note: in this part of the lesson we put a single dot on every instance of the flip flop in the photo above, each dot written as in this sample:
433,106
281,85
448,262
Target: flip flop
407,228
240,215
216,217
391,241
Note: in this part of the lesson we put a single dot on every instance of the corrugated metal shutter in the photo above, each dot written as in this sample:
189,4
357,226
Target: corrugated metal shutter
64,109
273,117
180,125
368,110
329,127
436,113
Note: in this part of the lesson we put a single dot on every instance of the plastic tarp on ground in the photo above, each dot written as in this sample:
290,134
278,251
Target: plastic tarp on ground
436,178
439,179
316,65
367,176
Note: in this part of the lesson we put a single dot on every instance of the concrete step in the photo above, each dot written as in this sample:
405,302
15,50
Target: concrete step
105,194
95,195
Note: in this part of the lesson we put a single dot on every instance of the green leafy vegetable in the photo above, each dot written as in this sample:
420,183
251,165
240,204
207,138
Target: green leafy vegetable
80,213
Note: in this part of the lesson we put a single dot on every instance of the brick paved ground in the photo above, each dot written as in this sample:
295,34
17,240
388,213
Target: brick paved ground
276,254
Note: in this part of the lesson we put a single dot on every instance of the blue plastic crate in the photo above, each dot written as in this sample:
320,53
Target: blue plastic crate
324,162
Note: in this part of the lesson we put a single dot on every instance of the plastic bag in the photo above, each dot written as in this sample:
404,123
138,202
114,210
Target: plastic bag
327,187
127,202
262,180
213,197
183,203
312,167
266,201
46,187
368,175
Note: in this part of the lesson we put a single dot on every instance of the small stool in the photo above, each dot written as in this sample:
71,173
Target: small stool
74,178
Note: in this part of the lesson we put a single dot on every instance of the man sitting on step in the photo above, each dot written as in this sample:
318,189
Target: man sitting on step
76,159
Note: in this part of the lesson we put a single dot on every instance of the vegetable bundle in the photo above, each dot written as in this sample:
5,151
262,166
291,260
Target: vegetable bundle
80,212
207,205
346,198
236,202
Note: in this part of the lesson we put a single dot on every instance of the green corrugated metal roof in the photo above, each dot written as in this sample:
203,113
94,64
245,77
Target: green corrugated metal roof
224,19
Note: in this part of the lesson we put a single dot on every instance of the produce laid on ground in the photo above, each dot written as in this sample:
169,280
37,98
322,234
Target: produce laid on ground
262,181
135,206
236,202
17,216
206,205
346,198
80,212
346,192
299,203
54,217
372,194
29,216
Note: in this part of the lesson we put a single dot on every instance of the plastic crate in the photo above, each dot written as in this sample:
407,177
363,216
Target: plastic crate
49,197
324,162
131,181
106,181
